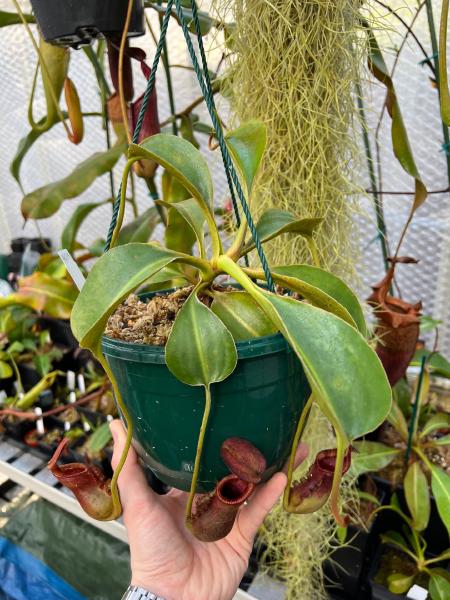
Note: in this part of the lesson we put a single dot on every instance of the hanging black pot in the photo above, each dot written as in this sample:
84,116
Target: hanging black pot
77,22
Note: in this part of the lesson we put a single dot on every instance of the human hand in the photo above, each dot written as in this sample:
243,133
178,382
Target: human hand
165,557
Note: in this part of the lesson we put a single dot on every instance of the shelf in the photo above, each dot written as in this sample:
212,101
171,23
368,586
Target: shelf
30,471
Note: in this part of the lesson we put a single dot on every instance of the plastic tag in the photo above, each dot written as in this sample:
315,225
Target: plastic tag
72,268
417,593
39,422
81,383
70,380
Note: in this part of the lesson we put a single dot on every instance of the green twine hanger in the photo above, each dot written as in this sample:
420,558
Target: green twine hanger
205,86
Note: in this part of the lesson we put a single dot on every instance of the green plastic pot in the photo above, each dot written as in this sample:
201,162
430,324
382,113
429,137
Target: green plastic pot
260,401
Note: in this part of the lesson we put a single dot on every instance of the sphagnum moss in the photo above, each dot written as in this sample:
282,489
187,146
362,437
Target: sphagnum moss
294,65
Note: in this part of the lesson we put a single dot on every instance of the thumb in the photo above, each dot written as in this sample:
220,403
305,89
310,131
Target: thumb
132,483
251,516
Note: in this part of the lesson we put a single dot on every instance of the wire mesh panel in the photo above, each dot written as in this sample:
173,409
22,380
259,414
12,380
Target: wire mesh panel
52,156
428,238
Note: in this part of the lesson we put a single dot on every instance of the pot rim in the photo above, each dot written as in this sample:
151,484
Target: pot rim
146,353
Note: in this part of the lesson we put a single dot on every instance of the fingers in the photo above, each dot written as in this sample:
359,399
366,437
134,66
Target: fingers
132,483
251,516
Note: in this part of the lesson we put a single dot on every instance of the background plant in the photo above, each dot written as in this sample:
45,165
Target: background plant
411,543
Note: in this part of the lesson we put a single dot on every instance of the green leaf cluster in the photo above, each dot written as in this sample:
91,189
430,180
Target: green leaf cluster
324,324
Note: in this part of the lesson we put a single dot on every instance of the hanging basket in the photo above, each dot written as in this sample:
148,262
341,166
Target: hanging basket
77,22
260,402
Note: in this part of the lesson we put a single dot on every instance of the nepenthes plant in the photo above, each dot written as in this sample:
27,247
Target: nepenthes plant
314,311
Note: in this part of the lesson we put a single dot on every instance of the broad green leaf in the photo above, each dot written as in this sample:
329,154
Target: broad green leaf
56,59
397,420
427,323
44,293
439,586
46,201
70,231
32,395
203,128
28,140
112,279
444,93
30,344
241,315
344,372
42,363
200,349
97,248
437,363
395,538
314,295
13,18
24,145
368,497
229,32
246,145
141,229
402,395
16,347
187,130
443,556
5,370
440,486
436,422
330,284
205,20
100,438
168,277
400,141
52,265
182,160
191,213
399,583
179,235
417,495
443,441
274,222
317,295
371,456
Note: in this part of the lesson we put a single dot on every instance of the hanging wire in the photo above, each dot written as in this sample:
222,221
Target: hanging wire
209,100
207,81
145,101
206,88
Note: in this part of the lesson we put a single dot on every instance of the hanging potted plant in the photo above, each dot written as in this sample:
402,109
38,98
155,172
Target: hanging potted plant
235,368
68,23
402,563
